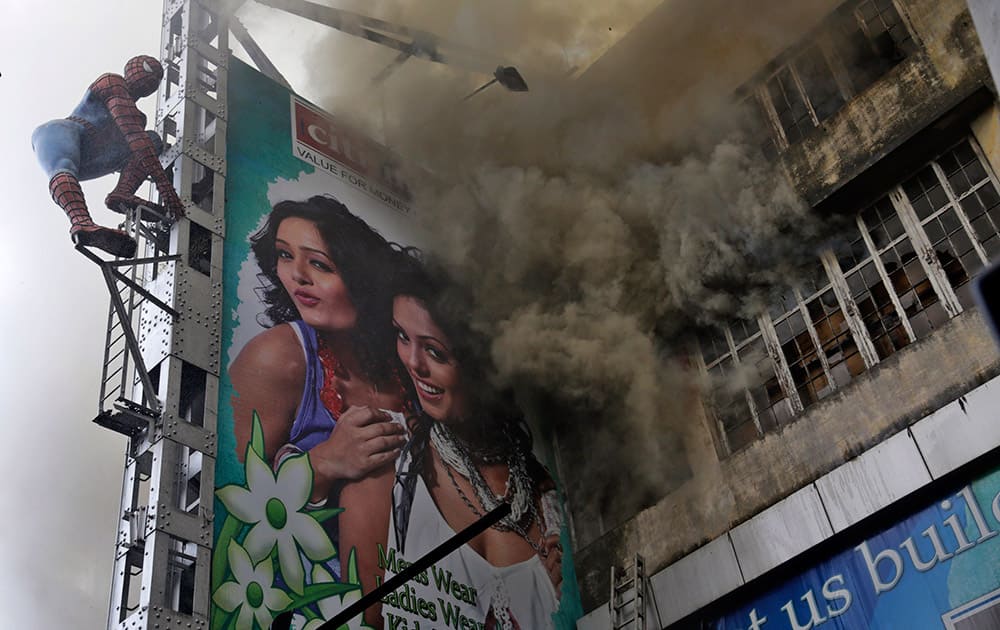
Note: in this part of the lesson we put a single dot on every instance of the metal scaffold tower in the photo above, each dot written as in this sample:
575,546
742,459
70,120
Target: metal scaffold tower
161,364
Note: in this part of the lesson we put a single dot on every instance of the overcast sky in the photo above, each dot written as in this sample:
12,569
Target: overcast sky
62,474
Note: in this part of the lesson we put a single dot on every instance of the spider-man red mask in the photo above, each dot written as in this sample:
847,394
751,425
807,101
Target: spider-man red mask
142,75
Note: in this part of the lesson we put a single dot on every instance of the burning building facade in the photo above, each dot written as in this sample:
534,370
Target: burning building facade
820,444
858,399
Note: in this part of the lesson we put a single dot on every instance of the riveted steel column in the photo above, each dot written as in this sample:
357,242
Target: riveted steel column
164,545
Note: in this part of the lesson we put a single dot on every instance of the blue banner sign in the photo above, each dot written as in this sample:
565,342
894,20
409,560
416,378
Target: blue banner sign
939,568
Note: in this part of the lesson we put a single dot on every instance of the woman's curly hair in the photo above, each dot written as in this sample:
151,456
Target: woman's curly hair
363,259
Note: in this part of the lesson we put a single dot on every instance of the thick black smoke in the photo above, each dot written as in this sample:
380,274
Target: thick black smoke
596,230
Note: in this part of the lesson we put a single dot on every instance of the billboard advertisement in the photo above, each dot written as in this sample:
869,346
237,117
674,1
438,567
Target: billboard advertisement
358,429
938,569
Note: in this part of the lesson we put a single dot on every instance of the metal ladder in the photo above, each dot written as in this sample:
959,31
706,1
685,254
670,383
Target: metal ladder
628,596
128,400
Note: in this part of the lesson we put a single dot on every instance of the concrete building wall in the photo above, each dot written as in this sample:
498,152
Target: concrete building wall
721,492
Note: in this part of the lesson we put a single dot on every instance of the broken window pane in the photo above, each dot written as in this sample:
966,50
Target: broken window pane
874,303
774,410
835,338
954,251
961,176
782,304
871,38
803,361
729,405
910,283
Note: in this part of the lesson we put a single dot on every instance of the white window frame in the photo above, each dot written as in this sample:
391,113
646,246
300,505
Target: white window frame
836,279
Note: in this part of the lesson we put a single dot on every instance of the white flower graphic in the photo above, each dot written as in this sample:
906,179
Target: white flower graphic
253,592
273,503
331,607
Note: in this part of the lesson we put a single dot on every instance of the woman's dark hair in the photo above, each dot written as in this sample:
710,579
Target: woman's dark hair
497,422
363,259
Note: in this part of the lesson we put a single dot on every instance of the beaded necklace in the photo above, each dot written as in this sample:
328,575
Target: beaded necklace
517,491
328,393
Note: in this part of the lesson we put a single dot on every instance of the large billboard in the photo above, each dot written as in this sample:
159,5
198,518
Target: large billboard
937,569
358,428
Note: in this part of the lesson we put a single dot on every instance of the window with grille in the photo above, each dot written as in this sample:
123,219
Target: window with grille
882,25
803,93
907,275
866,287
852,49
747,399
872,39
872,294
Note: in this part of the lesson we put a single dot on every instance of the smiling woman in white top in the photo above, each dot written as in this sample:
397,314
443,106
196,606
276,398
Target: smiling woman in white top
470,450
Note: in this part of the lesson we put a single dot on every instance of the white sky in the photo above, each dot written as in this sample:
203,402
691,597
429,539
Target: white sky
62,473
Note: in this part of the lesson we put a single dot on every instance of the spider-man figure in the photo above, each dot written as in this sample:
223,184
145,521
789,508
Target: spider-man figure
106,133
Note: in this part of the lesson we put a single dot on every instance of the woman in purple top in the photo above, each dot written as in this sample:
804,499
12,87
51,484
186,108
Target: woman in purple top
320,377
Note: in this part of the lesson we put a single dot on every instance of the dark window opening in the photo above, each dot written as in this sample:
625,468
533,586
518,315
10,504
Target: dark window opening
774,409
819,83
200,249
187,489
913,288
789,105
191,405
182,562
800,353
131,585
873,40
758,129
203,187
729,405
875,305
